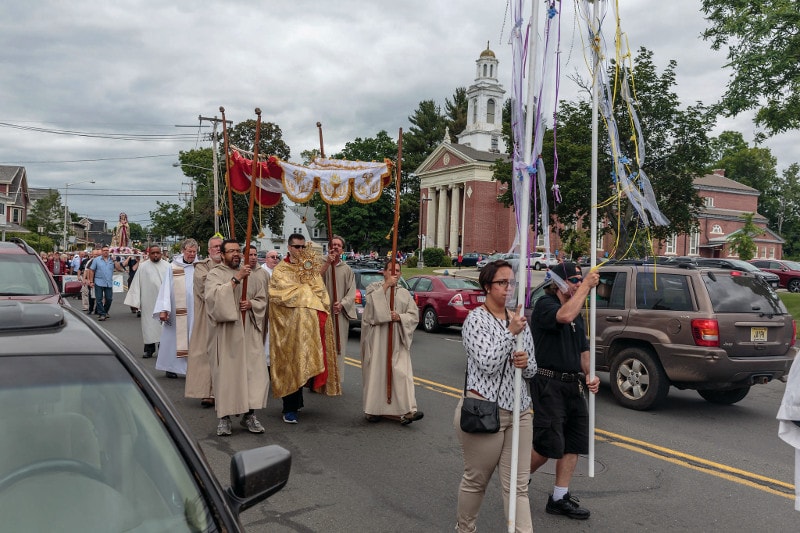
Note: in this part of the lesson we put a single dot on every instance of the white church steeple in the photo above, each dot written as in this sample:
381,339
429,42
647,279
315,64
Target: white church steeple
484,129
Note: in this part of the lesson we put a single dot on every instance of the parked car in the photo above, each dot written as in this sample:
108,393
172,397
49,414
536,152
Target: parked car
773,280
712,330
91,443
491,258
23,275
540,260
471,259
363,279
787,271
445,300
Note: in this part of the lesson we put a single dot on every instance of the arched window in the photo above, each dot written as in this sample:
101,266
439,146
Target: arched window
716,229
491,71
490,111
474,110
484,71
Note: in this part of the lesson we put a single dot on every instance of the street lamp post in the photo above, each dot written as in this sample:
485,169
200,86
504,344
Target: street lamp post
66,208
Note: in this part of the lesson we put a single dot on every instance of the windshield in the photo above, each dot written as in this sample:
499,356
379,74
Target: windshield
731,292
371,277
792,265
23,275
89,448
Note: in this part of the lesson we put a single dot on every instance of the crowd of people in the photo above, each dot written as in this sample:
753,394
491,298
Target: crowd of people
236,330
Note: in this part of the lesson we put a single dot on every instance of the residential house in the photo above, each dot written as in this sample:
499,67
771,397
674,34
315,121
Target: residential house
14,198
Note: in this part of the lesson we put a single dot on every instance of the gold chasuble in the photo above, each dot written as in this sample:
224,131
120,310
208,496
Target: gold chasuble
301,340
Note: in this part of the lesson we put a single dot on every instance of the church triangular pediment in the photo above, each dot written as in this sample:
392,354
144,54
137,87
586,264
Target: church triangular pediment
443,156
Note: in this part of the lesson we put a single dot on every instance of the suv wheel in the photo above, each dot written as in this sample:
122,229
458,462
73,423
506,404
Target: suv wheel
794,285
430,322
537,266
724,397
637,380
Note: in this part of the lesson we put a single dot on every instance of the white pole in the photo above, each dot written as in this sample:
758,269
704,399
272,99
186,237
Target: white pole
66,214
593,231
524,224
216,175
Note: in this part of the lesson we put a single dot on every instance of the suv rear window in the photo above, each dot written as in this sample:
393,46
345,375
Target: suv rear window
669,292
736,293
23,275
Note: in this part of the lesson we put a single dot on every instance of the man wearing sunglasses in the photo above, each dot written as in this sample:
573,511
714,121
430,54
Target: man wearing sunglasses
301,340
558,390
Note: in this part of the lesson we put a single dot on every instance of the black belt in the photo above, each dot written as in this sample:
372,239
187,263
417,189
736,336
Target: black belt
562,376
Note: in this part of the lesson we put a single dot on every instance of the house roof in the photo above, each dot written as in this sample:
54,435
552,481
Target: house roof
716,212
715,181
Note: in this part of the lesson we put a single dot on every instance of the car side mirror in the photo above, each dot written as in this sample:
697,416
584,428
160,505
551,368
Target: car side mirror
257,474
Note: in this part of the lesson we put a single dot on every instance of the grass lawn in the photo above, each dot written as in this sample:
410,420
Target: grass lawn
792,302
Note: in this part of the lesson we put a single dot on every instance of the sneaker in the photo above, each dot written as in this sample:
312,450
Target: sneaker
252,424
569,506
290,417
224,427
372,418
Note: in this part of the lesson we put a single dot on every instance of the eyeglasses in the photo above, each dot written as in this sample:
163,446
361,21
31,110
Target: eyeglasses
575,279
297,246
505,282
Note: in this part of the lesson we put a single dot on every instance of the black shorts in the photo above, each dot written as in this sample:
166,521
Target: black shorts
560,417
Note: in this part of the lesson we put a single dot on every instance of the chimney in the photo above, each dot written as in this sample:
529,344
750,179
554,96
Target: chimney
719,172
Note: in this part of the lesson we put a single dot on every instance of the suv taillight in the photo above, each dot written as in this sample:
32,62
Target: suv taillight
358,299
794,333
705,332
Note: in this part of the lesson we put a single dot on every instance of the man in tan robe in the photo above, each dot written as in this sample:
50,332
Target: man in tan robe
343,307
377,319
238,368
301,334
198,371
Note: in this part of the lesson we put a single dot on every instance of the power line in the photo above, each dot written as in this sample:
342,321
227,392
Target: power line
96,135
84,160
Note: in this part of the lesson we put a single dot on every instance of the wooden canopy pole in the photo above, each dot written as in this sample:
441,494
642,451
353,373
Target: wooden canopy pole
227,174
392,261
254,174
330,244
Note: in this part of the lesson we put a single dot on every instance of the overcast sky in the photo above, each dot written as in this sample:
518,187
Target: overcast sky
143,66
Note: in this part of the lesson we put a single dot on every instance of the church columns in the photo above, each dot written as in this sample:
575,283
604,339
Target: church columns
430,218
441,218
454,218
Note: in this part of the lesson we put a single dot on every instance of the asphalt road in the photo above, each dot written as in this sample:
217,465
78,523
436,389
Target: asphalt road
690,466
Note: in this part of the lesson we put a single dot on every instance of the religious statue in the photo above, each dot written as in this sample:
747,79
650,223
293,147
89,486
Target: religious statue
121,237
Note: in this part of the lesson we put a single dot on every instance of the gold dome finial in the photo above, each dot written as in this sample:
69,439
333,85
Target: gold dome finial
487,52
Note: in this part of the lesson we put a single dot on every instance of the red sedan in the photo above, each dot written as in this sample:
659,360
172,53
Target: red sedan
444,300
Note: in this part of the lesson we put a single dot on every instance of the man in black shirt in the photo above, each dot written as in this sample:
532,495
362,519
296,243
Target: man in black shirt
561,415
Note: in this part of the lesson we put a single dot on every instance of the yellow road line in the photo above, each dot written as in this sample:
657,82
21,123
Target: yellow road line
743,477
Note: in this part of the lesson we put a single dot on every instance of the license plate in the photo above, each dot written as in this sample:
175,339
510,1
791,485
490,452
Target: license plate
481,299
758,334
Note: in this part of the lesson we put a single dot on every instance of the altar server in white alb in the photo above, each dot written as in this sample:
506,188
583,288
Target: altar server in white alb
175,309
142,295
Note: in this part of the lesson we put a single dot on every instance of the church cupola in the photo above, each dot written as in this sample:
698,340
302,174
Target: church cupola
484,130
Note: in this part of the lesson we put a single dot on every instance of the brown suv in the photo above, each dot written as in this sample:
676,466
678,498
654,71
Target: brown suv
713,330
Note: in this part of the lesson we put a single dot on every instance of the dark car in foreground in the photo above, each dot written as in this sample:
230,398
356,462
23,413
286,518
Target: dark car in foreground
787,271
90,442
23,275
712,330
364,277
445,300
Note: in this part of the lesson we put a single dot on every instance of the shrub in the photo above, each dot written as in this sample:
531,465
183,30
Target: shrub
446,261
433,257
411,261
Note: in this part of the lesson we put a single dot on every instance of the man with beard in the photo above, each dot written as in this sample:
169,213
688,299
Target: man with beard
198,371
175,310
301,335
238,368
343,308
142,295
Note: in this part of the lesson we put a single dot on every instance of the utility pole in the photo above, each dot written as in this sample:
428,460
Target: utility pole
215,121
191,192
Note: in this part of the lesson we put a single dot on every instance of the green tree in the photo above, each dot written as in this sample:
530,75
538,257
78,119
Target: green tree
47,213
455,111
786,191
677,150
763,41
742,242
169,220
364,226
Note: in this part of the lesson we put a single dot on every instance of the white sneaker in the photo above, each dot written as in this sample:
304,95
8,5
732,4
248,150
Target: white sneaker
252,424
224,427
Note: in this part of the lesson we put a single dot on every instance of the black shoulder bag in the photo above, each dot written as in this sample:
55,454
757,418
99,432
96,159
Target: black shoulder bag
481,416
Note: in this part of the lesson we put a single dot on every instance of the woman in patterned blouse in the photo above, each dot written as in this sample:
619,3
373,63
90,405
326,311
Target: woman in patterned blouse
489,334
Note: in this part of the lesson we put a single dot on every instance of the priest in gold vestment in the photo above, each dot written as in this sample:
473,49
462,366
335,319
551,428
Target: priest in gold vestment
301,334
